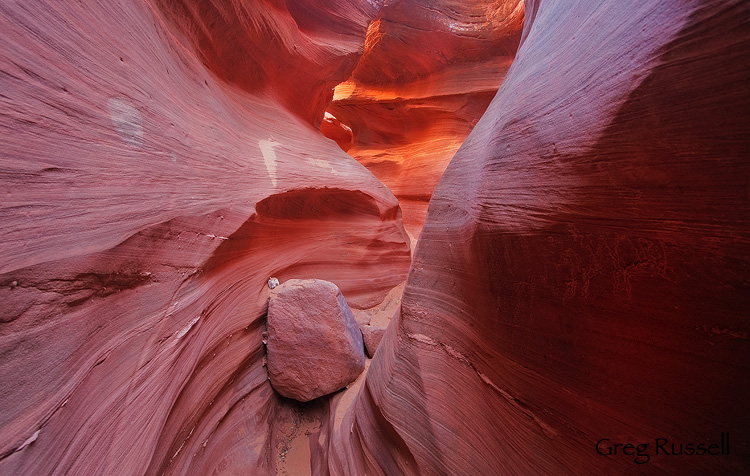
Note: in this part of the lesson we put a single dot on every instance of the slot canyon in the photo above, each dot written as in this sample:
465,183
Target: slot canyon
530,219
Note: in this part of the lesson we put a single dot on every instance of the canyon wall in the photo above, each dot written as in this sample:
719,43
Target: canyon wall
429,70
582,274
149,190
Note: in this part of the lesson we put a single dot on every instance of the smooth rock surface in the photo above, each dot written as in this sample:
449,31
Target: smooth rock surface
582,275
295,51
372,335
314,343
584,270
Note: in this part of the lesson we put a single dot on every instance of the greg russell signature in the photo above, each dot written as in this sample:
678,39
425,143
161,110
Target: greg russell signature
642,452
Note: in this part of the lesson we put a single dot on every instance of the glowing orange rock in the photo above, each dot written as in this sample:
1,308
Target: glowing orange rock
428,71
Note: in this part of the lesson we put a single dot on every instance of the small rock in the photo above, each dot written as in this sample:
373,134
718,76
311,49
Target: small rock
372,336
314,344
29,440
273,282
361,316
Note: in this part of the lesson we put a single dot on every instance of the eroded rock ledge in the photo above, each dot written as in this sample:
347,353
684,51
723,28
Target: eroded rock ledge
428,71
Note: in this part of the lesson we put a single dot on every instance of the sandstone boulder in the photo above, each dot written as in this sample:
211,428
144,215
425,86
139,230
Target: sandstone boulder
314,344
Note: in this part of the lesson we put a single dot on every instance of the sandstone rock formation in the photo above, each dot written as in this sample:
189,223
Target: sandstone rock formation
428,72
314,344
146,199
582,273
583,270
295,51
372,335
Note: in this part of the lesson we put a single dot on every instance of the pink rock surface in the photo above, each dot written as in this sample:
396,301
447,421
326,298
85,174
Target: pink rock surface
583,271
295,51
146,199
314,344
372,335
582,274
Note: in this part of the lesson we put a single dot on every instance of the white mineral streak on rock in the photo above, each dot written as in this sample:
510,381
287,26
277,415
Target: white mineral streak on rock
126,120
269,157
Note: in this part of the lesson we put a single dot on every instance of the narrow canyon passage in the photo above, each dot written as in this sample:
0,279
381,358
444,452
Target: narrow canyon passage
427,73
543,203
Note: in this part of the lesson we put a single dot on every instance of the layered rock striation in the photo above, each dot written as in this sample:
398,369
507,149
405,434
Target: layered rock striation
149,190
581,276
294,51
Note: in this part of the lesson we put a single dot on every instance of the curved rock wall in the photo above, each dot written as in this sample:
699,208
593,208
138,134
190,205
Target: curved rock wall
296,51
146,201
583,270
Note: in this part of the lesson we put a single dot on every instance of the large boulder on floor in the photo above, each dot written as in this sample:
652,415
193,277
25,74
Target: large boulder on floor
314,343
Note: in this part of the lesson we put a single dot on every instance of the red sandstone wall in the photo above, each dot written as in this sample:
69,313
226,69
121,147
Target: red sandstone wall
147,195
296,51
582,274
583,270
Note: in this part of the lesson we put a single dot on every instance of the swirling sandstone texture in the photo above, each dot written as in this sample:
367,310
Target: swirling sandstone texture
582,274
583,270
429,70
150,186
298,50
